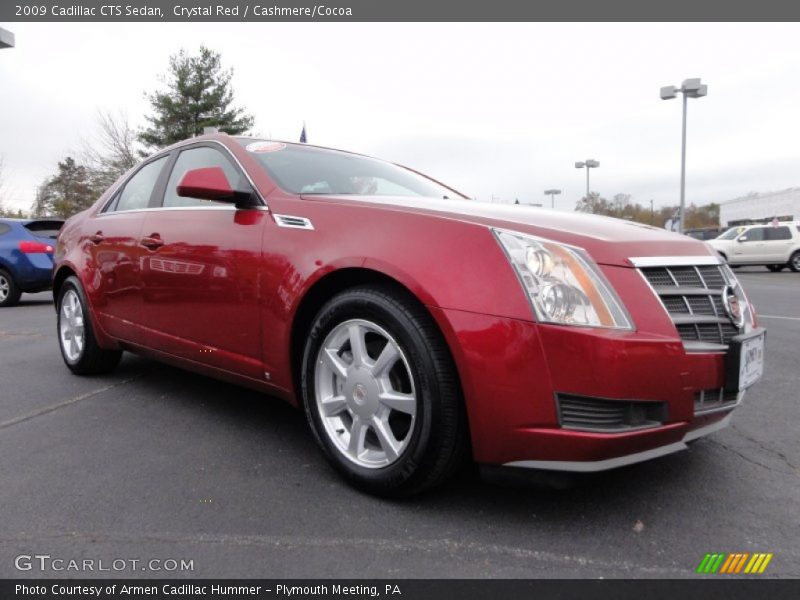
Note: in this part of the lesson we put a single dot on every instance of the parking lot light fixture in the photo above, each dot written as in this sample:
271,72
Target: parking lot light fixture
587,164
691,88
6,39
552,193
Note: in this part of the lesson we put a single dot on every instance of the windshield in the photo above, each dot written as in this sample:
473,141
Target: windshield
309,170
731,233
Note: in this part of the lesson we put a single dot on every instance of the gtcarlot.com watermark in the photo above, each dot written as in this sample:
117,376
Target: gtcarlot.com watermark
59,564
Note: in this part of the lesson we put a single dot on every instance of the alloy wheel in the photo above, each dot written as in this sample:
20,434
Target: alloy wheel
365,393
71,329
5,288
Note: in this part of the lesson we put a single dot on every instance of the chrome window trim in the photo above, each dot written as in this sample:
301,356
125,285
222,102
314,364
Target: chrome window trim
165,154
227,207
674,261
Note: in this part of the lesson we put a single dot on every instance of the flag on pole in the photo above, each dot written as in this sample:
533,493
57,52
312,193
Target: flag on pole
303,139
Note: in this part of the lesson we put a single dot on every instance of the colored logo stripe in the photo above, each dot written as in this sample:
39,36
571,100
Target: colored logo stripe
734,563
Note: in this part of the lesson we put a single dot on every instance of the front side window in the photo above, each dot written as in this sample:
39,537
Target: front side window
731,233
199,158
310,170
136,193
775,234
756,234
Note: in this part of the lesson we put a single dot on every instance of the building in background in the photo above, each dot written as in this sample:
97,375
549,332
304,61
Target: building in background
761,208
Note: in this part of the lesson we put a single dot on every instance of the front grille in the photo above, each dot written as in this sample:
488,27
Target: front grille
692,296
714,399
609,416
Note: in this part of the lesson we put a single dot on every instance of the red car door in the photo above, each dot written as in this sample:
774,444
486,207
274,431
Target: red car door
200,272
114,253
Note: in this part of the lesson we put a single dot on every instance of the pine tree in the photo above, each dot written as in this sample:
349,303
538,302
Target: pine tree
199,94
67,192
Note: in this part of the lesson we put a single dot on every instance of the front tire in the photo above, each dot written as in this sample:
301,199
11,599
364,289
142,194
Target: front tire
381,393
77,342
9,291
794,262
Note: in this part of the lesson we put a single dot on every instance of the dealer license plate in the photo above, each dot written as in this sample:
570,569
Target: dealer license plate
745,360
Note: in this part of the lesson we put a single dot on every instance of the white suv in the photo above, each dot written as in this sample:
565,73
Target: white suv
774,246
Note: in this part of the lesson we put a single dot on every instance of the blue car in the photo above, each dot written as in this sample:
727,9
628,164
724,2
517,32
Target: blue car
26,256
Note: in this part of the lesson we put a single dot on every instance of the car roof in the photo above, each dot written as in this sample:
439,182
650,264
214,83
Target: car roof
751,225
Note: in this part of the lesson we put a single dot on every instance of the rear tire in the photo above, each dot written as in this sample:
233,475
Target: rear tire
794,262
9,291
381,393
76,338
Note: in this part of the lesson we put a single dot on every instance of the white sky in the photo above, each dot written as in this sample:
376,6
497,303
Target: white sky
491,109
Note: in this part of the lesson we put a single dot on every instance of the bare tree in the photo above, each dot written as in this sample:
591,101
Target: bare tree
3,210
43,201
112,150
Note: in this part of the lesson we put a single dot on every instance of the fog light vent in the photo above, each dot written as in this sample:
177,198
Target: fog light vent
608,416
713,400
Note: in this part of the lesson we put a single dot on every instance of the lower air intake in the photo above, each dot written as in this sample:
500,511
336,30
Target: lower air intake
608,416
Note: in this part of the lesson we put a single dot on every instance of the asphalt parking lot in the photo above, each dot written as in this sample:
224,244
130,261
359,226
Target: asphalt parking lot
154,462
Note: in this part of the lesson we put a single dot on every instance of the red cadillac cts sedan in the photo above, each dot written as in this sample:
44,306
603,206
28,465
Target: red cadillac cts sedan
415,327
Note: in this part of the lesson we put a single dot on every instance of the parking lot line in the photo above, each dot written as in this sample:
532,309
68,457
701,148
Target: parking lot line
48,409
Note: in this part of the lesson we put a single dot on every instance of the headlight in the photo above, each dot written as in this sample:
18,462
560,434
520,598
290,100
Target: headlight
563,284
746,317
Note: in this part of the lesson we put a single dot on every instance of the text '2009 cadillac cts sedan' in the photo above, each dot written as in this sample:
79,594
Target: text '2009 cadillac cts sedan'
414,326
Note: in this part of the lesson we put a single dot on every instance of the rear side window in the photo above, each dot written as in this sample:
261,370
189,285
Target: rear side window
778,233
4,228
199,158
48,229
136,193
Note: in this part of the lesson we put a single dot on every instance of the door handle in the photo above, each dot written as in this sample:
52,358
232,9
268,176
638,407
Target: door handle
97,237
152,242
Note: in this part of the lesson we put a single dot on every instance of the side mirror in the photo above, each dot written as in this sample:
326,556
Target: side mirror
210,183
741,238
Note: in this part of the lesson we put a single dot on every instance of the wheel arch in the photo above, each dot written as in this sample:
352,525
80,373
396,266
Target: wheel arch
328,286
65,271
59,278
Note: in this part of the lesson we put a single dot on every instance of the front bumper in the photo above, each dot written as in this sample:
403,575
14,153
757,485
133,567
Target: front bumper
512,370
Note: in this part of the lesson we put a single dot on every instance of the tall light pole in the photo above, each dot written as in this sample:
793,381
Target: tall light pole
589,163
552,193
690,88
6,38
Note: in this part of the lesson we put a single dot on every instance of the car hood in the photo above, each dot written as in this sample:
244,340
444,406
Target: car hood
608,240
